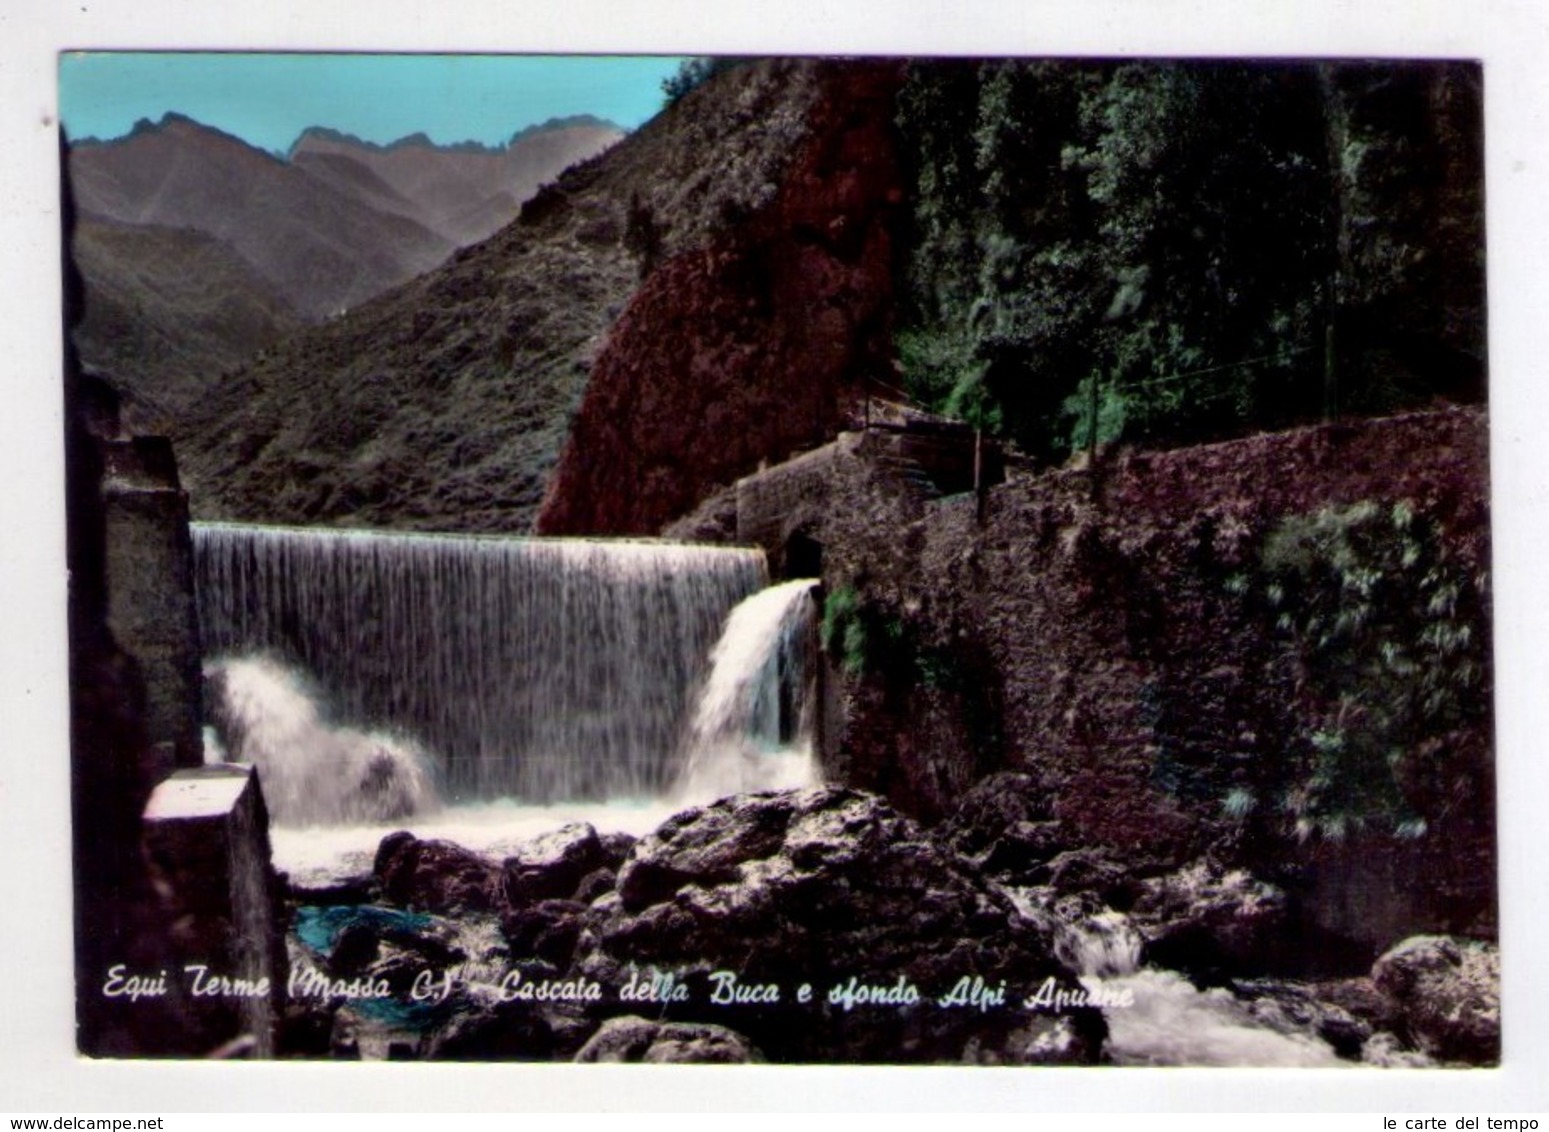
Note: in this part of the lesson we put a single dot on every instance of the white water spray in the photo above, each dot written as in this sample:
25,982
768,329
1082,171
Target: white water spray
312,773
752,726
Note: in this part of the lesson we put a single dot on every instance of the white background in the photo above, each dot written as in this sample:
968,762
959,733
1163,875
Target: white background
38,1070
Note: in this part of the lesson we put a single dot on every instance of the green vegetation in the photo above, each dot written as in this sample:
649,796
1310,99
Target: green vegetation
693,73
862,639
867,641
1393,670
843,631
1187,237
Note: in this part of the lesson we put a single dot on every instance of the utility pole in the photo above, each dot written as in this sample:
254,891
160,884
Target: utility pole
1336,139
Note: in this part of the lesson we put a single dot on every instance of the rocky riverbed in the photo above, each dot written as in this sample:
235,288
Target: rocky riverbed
822,926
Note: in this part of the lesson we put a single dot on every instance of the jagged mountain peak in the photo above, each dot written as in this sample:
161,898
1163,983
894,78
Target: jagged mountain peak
314,136
172,124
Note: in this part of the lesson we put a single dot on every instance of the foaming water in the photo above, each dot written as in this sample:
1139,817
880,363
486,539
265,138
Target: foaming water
311,772
1172,1022
548,670
324,856
1102,945
1166,1020
753,722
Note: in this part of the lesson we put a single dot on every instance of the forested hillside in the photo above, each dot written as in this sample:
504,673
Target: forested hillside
1192,249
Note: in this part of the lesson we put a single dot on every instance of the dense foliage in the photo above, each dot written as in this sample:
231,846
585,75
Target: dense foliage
1392,672
1183,251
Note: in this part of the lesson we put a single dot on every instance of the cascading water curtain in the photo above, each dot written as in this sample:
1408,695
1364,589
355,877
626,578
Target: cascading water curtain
545,670
752,726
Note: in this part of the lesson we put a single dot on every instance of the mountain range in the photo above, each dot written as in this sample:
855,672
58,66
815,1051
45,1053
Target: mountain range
185,230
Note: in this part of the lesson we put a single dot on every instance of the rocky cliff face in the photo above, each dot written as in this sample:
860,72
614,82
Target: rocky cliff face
747,350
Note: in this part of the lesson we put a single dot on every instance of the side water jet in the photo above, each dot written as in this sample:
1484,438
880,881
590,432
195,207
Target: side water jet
752,726
541,670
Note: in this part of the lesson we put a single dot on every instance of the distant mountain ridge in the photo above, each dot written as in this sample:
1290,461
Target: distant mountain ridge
276,241
320,248
420,138
170,119
463,192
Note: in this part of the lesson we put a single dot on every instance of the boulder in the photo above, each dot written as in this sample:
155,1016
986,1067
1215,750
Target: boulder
1211,921
632,1038
552,866
1447,992
754,897
436,876
505,1032
1094,871
1291,1008
615,847
547,930
1004,826
596,884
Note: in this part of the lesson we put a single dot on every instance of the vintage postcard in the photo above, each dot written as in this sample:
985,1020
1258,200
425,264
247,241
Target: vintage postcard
780,560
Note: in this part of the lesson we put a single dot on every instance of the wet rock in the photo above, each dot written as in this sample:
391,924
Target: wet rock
1040,1039
1295,1008
507,1032
1447,992
374,951
551,867
751,898
436,876
1347,1035
1388,1051
615,847
1004,826
596,884
632,1038
1091,870
1210,921
357,947
350,938
547,930
703,847
345,890
1360,998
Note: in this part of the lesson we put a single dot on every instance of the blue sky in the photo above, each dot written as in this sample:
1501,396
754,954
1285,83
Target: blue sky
268,99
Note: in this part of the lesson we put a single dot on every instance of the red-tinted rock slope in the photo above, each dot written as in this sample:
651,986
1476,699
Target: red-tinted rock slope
744,351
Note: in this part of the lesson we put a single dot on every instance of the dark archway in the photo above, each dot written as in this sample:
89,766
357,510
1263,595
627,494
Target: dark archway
803,556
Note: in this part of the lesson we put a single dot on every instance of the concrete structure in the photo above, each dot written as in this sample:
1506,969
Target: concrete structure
207,840
781,509
148,567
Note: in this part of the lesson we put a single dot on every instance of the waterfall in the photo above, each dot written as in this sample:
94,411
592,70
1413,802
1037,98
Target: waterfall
752,725
545,670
